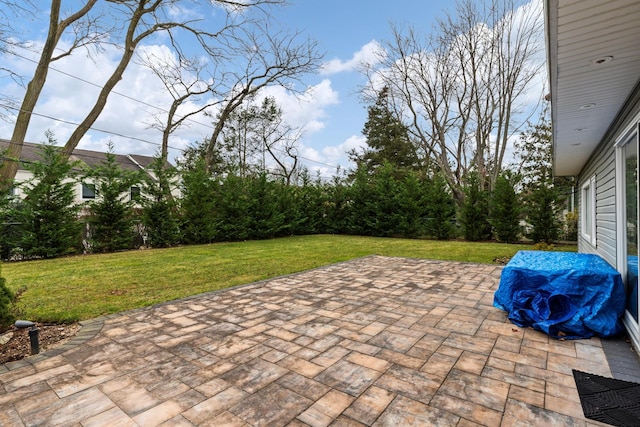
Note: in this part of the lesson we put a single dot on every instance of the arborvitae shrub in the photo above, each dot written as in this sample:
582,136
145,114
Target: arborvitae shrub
6,299
505,211
441,210
474,214
542,214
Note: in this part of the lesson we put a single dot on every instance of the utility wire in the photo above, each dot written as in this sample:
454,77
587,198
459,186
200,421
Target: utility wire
94,128
147,141
335,167
100,87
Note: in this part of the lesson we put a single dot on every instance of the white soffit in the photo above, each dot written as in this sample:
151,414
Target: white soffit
594,63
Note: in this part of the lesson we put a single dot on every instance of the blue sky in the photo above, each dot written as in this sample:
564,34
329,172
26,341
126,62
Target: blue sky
332,112
344,29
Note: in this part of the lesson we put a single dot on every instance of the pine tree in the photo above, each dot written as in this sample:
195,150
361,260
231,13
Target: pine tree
159,210
9,225
265,218
474,214
505,211
197,205
337,209
6,300
544,194
48,214
387,139
111,218
412,206
360,206
232,209
384,195
441,209
543,211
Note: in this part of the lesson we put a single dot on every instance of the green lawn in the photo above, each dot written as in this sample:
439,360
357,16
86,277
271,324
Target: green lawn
84,287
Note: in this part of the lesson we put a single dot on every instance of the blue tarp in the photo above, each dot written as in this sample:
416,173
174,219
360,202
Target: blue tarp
566,295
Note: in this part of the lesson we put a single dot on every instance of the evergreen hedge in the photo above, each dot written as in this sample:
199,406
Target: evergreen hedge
383,202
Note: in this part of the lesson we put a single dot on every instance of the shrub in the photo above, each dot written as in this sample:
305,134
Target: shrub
6,300
441,210
474,214
505,211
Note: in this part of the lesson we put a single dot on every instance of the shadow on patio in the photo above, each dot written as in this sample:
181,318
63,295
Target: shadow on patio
373,341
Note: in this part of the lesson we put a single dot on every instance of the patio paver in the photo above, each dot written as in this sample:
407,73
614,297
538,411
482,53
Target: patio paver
376,341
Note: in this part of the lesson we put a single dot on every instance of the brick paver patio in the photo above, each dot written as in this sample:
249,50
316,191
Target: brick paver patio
374,341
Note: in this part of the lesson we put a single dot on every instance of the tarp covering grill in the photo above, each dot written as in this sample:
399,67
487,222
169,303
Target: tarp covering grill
564,294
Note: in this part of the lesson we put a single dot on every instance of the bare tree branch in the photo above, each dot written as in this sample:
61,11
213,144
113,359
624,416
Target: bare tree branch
462,89
9,166
268,60
134,21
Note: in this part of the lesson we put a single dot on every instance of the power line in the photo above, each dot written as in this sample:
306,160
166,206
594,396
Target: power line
335,167
147,141
100,87
93,128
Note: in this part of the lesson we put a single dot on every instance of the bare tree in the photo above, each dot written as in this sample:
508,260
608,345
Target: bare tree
278,139
85,32
462,88
145,18
269,59
256,138
185,80
137,20
11,11
239,148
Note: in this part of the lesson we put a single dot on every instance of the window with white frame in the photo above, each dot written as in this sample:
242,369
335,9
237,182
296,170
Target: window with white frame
588,211
134,193
88,191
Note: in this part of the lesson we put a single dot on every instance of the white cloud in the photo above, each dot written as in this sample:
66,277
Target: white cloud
370,53
306,110
68,99
337,153
326,160
182,12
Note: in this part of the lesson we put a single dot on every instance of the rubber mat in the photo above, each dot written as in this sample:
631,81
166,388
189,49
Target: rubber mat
608,400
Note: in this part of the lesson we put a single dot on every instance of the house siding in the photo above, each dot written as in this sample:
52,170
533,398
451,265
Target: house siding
601,166
602,163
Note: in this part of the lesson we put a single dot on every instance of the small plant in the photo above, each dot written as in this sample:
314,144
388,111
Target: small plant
542,246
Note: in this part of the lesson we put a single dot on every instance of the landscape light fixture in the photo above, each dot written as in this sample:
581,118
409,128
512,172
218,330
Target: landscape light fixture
33,334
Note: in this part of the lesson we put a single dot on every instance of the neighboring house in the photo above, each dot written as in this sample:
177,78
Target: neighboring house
593,50
85,190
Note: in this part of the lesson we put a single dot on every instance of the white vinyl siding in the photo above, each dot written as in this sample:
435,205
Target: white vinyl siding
603,242
602,164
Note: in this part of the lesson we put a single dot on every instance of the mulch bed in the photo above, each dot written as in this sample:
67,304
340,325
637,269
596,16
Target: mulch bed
18,345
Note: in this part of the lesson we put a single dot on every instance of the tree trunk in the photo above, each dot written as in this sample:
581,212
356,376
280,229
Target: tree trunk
11,158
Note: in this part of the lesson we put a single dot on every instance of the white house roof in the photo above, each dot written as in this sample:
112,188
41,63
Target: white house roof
593,53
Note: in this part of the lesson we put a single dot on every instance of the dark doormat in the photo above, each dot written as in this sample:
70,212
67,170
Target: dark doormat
608,400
